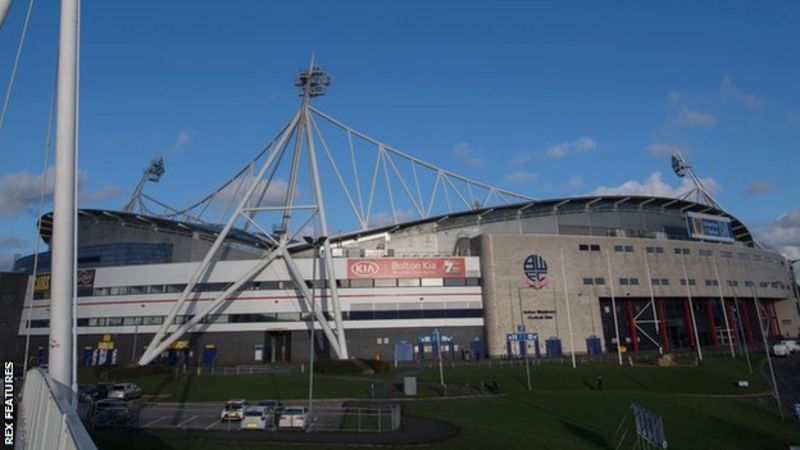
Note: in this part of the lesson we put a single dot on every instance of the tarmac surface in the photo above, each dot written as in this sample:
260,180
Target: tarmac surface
787,376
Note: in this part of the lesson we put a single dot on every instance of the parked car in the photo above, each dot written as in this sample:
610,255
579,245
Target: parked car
233,410
125,391
293,417
95,391
256,418
274,406
791,345
780,350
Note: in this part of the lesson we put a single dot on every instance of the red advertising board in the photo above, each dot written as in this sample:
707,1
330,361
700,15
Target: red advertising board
406,268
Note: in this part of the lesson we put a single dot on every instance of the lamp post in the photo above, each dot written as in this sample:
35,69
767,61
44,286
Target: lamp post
315,244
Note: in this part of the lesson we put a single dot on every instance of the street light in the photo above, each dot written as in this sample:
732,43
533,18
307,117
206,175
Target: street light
315,245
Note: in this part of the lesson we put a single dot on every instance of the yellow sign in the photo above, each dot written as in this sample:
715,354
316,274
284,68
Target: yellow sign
180,345
42,283
209,346
106,338
105,346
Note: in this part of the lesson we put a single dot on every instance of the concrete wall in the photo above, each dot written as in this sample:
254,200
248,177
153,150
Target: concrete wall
544,310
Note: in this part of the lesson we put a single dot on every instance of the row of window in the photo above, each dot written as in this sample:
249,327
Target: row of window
681,251
684,282
273,317
270,285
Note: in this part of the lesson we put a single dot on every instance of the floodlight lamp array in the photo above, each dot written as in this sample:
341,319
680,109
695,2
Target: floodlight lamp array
314,82
155,170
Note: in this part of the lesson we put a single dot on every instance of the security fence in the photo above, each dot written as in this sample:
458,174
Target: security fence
48,421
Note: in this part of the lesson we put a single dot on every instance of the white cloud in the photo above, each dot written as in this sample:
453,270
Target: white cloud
10,241
758,187
661,149
520,177
183,139
729,91
275,194
692,118
465,153
654,185
583,144
783,234
20,191
575,182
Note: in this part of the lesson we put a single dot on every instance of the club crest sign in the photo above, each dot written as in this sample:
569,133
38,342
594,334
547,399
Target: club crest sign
535,269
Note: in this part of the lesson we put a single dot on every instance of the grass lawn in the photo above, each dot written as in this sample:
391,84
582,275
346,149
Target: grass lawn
253,387
564,411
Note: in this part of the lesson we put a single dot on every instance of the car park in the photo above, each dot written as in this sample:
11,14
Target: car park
124,391
256,418
293,417
233,410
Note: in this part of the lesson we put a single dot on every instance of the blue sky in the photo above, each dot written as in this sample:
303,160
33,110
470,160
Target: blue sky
549,99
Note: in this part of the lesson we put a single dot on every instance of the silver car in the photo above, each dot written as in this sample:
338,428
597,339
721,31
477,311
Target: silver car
256,418
124,391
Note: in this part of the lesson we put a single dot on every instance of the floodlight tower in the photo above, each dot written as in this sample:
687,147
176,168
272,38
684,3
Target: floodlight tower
283,241
698,193
152,173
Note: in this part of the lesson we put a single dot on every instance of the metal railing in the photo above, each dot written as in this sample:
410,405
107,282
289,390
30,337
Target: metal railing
48,420
374,419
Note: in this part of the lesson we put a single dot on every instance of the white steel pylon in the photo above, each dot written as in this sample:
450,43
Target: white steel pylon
251,205
699,193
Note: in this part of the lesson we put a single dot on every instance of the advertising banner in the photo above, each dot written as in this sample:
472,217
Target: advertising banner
406,268
708,227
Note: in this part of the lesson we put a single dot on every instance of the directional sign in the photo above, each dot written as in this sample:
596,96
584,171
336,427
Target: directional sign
511,337
532,336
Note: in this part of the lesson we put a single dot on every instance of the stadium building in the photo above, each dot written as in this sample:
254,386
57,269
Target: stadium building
503,275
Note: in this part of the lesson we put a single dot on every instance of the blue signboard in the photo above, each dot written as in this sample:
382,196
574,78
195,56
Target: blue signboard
708,227
532,336
511,337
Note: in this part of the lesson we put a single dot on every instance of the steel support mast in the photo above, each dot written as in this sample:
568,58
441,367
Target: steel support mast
64,201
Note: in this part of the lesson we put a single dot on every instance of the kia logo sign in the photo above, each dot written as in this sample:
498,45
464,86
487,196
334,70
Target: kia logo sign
364,269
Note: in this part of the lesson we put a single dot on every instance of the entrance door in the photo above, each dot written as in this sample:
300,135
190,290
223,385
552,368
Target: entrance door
278,346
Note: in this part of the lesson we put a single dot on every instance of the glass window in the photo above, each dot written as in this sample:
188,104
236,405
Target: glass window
595,247
413,282
101,292
665,281
623,281
157,289
677,251
619,248
432,282
450,282
686,251
650,249
137,290
117,290
600,280
152,320
175,288
628,249
655,281
132,321
634,281
386,282
691,282
343,283
286,285
683,281
361,283
659,249
583,247
473,281
114,321
588,281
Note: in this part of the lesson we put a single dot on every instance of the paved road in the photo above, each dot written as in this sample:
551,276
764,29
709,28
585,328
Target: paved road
787,375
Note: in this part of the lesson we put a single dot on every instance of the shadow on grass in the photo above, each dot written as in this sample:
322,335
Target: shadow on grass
585,434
